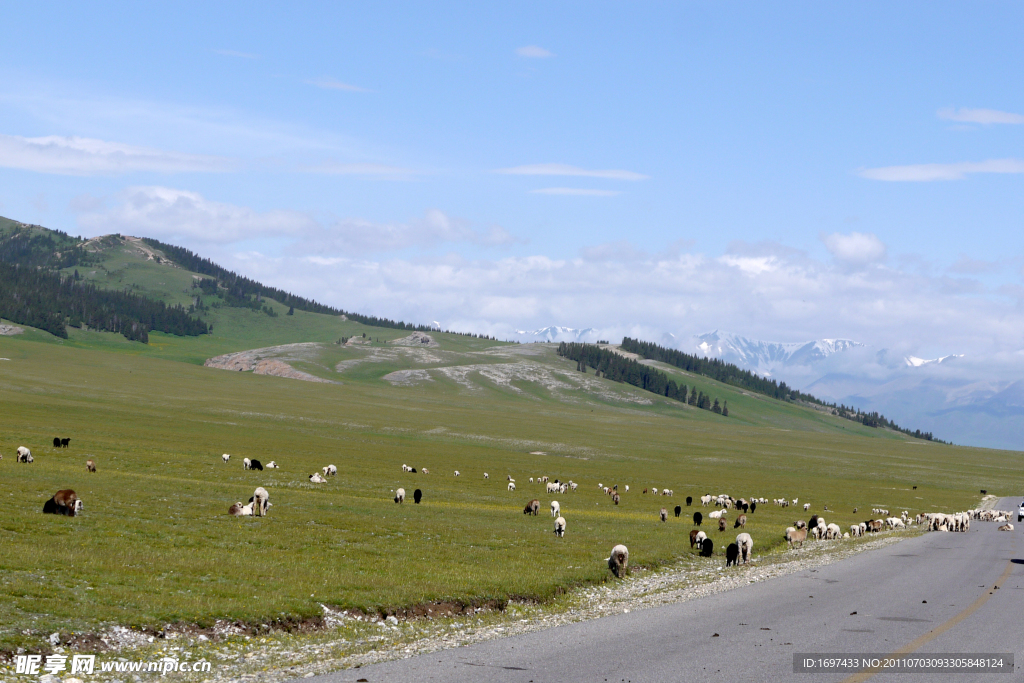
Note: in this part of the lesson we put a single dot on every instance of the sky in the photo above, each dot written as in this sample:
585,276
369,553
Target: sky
786,172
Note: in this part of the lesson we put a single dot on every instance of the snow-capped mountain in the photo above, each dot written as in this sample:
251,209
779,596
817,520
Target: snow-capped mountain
915,362
556,333
764,357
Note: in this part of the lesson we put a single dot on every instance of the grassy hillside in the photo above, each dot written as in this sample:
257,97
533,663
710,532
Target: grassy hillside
156,545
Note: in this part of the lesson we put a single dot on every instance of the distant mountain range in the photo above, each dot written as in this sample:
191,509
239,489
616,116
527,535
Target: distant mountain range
764,357
948,395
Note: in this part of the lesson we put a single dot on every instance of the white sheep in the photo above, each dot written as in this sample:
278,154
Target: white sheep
456,473
272,465
260,502
705,500
552,487
225,457
746,544
654,491
807,506
406,468
330,471
560,527
400,495
246,463
511,486
573,485
618,561
24,454
555,508
317,479
486,476
239,510
627,488
833,532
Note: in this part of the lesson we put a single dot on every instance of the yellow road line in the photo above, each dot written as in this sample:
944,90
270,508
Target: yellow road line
937,631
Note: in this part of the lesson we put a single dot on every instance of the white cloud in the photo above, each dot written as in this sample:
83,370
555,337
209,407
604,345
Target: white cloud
534,51
328,83
178,214
174,214
567,170
87,156
577,191
930,172
856,248
983,116
236,53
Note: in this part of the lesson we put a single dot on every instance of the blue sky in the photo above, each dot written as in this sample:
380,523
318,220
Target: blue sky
788,172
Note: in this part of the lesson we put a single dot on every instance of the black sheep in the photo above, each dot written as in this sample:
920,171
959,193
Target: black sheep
417,495
255,465
706,546
753,507
813,523
64,443
689,501
678,510
731,554
56,442
697,518
746,507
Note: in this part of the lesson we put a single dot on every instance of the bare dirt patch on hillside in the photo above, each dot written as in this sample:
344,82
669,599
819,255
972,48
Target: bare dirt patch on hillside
10,330
272,360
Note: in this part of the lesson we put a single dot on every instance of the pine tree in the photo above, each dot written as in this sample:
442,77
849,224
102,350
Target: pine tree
725,409
291,310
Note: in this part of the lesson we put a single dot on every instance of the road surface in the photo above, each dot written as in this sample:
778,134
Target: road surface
934,594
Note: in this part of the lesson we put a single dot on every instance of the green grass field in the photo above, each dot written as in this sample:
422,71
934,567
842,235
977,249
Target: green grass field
155,544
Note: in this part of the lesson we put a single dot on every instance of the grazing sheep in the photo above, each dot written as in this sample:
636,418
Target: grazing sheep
405,468
689,501
246,463
225,457
753,507
697,518
456,473
707,546
705,500
796,536
560,527
721,525
272,465
64,502
812,523
746,544
317,479
417,496
486,476
627,488
239,510
551,487
654,491
555,508
330,471
400,495
697,538
807,506
678,510
731,553
511,486
856,530
424,470
693,536
24,454
664,515
615,499
260,502
56,442
532,507
90,466
741,521
618,561
255,465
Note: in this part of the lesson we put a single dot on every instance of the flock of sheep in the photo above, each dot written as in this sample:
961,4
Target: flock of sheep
66,501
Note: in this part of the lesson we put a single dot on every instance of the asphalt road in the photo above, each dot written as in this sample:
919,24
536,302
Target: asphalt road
933,594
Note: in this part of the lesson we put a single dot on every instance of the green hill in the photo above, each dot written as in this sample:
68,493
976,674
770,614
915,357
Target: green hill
155,544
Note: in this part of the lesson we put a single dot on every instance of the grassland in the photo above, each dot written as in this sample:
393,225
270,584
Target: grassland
155,544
